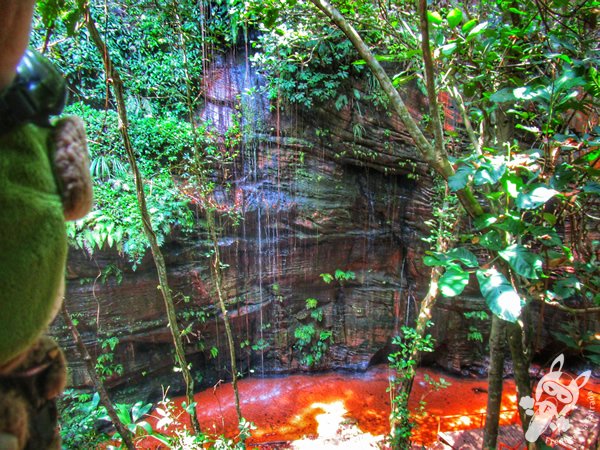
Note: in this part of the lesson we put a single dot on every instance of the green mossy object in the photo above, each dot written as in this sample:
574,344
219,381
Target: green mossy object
33,243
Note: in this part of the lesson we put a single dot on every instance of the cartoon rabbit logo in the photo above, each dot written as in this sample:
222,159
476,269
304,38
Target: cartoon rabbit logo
559,399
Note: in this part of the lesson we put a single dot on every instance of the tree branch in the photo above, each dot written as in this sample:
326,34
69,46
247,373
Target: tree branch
437,158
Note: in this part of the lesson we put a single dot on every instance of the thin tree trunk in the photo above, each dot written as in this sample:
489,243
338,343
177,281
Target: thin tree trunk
495,379
126,435
216,267
423,318
401,393
521,369
434,111
159,262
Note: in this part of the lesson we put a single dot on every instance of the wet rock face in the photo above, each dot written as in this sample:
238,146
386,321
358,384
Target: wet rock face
305,212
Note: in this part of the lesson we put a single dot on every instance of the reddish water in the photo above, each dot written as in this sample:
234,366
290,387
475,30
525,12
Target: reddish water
289,409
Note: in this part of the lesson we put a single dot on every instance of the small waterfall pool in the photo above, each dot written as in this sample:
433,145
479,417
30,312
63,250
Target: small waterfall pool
341,410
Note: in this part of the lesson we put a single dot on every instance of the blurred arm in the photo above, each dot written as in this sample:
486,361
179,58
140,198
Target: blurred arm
15,26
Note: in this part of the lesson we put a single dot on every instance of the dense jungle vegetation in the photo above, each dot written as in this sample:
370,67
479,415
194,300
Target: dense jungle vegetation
517,187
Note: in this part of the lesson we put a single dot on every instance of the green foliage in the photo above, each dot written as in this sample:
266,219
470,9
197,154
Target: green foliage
160,91
105,365
132,417
531,178
404,367
171,432
473,333
580,338
80,414
340,276
312,342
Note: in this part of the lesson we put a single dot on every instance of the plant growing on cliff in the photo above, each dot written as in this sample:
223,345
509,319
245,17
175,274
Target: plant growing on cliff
80,413
311,341
405,366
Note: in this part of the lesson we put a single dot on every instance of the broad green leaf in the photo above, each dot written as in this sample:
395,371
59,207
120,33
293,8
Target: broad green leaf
327,277
592,187
453,282
517,11
589,157
527,92
492,240
433,259
513,225
547,236
469,25
454,17
503,95
566,287
400,80
499,294
477,30
537,196
271,17
434,17
460,179
448,49
564,174
550,218
490,172
524,262
484,221
512,185
463,255
146,427
533,129
448,259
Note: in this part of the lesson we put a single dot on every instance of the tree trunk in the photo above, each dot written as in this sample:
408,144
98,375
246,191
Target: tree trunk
521,368
495,379
217,276
117,83
98,384
216,265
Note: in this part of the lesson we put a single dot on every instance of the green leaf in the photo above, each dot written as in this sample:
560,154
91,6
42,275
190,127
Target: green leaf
484,221
454,17
434,17
460,179
589,157
537,196
524,262
327,277
477,30
271,17
550,218
146,427
503,95
447,259
512,184
490,172
592,187
492,240
547,236
512,225
464,256
453,282
469,25
448,49
499,295
433,259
